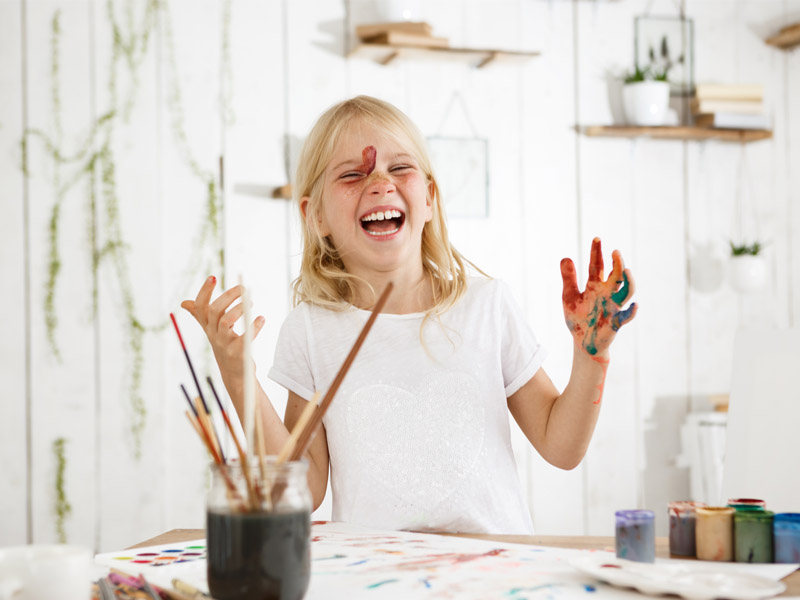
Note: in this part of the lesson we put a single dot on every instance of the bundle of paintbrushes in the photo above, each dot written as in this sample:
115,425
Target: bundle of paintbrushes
260,491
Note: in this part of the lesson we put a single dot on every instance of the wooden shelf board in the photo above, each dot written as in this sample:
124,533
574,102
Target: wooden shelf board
678,133
786,38
479,57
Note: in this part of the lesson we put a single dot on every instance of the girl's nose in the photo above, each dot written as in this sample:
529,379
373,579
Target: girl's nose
380,184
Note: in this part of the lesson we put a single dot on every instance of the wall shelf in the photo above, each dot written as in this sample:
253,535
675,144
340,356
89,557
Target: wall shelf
479,58
787,38
677,133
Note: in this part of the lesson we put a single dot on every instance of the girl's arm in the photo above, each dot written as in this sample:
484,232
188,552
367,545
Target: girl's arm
561,426
317,453
217,319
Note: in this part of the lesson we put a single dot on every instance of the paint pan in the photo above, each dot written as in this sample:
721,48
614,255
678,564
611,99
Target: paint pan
682,518
747,504
786,529
714,532
635,535
752,534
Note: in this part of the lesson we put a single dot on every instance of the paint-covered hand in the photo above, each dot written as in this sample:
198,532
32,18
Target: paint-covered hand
217,319
595,316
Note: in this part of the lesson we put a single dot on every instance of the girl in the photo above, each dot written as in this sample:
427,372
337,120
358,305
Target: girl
418,435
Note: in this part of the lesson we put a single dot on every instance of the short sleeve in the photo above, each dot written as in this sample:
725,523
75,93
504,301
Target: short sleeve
521,353
292,363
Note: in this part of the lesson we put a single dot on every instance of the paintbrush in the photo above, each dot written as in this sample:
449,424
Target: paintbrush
242,454
315,420
194,376
308,410
308,432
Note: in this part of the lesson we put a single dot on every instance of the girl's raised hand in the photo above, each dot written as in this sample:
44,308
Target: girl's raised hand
217,319
595,316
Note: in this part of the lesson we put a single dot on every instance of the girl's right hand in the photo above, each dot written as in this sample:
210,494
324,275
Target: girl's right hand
217,319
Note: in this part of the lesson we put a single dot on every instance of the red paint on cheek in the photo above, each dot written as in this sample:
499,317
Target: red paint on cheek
368,155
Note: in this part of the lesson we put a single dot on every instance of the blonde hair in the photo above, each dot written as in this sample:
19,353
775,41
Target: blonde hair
323,279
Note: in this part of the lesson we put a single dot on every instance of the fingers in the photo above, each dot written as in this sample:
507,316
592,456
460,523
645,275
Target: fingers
571,294
218,308
615,276
596,261
258,325
203,298
188,306
624,316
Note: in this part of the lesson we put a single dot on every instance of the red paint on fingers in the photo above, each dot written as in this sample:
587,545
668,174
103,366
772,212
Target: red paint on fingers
596,261
369,155
571,295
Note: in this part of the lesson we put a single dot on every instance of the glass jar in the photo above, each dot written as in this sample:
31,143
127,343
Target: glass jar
752,534
786,529
635,535
259,531
682,518
714,532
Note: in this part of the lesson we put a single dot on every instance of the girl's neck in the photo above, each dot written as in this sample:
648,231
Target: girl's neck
410,294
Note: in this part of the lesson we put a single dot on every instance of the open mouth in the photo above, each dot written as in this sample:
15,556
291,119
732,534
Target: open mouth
383,222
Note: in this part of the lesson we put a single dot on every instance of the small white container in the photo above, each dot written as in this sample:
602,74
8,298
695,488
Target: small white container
645,102
748,272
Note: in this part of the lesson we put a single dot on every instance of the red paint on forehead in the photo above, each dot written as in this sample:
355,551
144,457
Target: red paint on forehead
369,155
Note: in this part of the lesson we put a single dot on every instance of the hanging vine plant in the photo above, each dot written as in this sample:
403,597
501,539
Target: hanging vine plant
61,506
95,165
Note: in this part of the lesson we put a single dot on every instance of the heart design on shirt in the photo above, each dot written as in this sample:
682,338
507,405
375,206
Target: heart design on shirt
416,446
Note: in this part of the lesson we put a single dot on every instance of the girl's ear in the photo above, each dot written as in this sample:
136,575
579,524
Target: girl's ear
314,221
429,200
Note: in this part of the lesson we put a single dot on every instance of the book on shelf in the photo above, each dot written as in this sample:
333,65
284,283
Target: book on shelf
747,107
368,30
401,38
729,91
725,120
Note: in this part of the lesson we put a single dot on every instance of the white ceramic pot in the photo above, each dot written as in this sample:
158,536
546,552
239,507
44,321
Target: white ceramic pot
399,10
748,273
645,102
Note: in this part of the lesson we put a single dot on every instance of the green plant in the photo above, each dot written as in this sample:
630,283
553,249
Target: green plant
647,73
61,506
746,249
93,164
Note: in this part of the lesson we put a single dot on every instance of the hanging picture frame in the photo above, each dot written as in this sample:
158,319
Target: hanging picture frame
461,168
667,43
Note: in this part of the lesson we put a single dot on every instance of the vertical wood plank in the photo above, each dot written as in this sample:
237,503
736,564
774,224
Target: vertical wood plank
13,248
62,390
549,214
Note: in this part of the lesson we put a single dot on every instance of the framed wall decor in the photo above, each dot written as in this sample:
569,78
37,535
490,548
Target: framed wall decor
667,44
461,168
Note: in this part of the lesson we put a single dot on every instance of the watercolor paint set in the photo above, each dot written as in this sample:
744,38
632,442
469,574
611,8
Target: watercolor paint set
744,531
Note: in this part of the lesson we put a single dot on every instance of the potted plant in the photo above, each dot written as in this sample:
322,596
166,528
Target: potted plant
645,96
748,271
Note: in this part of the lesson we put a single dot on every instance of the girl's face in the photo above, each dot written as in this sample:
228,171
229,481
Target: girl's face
375,203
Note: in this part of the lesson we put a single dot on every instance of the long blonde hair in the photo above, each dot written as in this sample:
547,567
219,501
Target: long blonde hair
323,279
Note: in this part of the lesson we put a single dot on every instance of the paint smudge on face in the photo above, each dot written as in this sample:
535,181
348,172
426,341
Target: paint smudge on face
369,156
595,315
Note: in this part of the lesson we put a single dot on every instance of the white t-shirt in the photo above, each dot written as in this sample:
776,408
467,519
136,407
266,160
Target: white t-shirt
418,435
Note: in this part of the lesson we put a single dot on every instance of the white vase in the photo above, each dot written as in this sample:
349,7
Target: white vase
645,102
748,273
399,10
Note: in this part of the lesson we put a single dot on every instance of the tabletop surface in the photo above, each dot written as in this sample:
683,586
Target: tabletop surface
558,541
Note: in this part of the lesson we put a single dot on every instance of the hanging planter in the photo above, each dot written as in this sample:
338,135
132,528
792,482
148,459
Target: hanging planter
748,267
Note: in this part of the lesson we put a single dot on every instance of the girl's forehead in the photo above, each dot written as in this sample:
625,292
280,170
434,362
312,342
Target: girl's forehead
359,134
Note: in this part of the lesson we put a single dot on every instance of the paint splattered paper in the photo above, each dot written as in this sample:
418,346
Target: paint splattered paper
354,562
160,564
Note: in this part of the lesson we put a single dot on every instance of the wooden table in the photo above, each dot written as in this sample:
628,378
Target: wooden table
559,541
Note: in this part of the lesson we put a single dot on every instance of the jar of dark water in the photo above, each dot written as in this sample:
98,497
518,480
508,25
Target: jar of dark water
259,534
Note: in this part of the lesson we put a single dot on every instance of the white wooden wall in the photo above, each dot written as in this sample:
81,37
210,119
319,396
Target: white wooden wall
551,191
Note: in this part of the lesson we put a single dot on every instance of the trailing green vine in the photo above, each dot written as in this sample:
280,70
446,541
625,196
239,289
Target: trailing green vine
61,507
94,164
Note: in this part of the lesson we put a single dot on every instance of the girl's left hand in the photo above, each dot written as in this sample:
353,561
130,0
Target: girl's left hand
595,316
